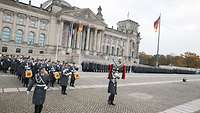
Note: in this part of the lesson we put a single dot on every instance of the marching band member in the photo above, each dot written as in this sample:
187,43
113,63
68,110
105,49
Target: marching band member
73,69
51,74
41,80
64,79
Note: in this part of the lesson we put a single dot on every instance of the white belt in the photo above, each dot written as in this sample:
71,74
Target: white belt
40,85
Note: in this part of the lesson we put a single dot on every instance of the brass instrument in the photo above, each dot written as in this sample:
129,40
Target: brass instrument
28,74
57,75
77,75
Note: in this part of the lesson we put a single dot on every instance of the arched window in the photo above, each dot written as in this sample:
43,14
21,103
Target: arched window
19,36
117,51
6,34
31,38
107,50
113,51
42,40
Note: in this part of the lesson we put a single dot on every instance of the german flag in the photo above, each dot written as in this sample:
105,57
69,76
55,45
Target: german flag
157,24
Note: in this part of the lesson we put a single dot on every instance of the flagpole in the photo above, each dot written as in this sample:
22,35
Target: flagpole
158,45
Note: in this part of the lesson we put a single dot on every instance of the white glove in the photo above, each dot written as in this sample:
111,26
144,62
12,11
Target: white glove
27,92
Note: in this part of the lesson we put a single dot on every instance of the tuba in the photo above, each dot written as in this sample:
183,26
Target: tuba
28,74
57,75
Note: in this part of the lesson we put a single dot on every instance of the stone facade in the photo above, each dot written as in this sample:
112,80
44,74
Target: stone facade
58,31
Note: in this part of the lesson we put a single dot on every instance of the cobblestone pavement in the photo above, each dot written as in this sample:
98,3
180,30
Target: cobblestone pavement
130,99
11,81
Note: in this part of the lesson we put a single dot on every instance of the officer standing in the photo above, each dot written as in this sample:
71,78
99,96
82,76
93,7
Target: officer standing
41,80
113,76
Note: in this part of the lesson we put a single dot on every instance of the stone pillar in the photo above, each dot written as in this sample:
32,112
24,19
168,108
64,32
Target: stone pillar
1,19
69,47
127,48
102,41
74,38
25,38
59,37
37,34
98,42
83,39
87,40
14,27
116,46
91,40
78,41
95,42
61,33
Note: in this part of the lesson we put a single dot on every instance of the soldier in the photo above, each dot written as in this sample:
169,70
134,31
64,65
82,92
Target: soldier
64,78
113,76
51,74
73,70
41,80
5,64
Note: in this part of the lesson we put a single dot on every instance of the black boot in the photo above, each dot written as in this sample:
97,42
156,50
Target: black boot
112,99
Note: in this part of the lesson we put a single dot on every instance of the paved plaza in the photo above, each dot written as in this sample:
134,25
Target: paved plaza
139,93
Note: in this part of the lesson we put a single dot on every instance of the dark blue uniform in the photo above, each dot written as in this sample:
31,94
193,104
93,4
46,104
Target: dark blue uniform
39,94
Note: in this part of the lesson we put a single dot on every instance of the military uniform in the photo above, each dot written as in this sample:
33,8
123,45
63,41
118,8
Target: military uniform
64,79
41,80
73,69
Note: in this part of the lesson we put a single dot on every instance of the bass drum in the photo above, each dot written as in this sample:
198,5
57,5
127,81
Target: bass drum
57,75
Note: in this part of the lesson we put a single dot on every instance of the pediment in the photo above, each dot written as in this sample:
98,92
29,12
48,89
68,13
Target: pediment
84,14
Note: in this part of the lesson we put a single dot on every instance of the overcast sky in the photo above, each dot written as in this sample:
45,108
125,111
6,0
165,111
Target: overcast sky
180,21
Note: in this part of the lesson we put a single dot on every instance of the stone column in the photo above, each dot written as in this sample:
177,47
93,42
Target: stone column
91,40
95,42
98,42
70,32
59,37
26,30
127,48
61,33
116,46
37,34
102,40
1,19
74,38
78,41
87,40
14,27
83,39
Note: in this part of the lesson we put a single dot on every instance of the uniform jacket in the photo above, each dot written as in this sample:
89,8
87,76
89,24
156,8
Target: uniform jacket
39,93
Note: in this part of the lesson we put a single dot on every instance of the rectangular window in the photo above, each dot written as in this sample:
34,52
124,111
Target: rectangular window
7,17
4,49
21,19
107,49
43,24
113,51
33,22
18,50
117,51
30,51
41,52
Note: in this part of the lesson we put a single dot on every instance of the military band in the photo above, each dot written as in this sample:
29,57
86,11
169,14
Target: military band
44,73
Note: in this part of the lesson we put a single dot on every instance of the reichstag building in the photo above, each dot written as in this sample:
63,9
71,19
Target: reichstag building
59,31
